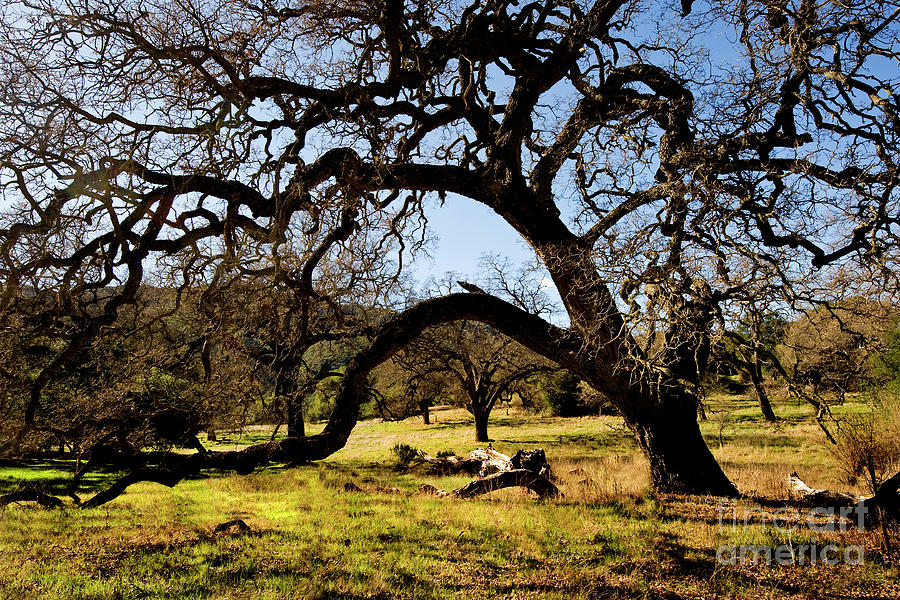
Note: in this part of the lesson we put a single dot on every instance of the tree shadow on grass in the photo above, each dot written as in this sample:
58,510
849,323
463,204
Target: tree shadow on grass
238,561
54,476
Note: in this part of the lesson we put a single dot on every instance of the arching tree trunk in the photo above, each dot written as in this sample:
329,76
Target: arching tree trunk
667,431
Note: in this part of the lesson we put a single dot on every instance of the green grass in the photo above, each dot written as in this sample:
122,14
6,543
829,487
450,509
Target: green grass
608,537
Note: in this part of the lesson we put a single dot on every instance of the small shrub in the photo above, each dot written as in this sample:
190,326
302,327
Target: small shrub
560,393
868,444
404,455
446,453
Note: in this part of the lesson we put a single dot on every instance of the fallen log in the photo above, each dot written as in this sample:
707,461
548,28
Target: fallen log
532,460
481,462
487,461
819,497
496,471
535,482
885,504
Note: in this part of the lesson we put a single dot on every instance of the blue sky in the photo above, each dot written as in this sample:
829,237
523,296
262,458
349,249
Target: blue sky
466,231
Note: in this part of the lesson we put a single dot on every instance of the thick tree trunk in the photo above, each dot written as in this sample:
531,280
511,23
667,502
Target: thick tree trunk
680,461
296,427
481,424
426,413
666,429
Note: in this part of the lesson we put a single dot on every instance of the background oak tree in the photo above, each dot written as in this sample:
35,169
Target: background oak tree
481,366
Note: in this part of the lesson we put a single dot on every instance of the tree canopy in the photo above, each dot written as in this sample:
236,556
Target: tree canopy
663,162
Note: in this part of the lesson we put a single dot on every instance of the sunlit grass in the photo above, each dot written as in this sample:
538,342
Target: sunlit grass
607,537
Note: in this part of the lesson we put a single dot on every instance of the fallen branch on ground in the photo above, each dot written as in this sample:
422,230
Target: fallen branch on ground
535,482
481,462
496,471
884,504
819,497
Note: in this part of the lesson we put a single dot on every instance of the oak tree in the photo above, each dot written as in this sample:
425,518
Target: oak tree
481,366
658,159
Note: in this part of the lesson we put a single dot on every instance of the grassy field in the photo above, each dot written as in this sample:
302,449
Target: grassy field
608,537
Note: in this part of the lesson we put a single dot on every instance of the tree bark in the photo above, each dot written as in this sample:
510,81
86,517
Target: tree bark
517,477
426,413
286,387
680,460
481,424
296,426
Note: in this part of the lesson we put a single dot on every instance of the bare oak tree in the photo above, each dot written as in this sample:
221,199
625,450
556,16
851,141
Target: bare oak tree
632,146
481,366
